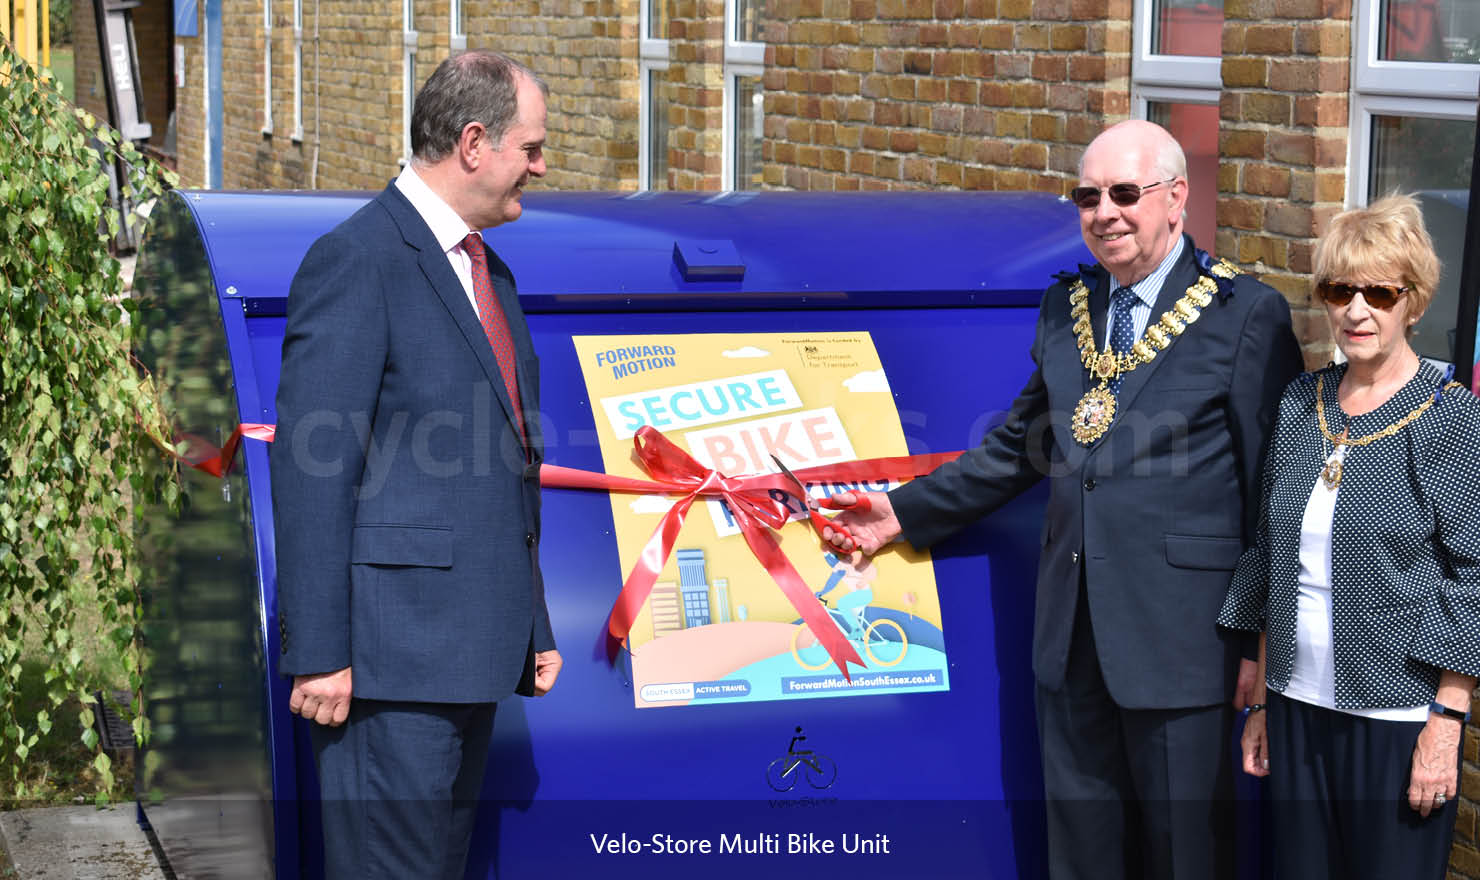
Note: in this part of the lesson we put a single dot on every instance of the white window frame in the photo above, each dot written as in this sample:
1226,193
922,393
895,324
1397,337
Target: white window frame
742,58
297,71
267,66
457,39
1182,72
652,55
1422,89
408,75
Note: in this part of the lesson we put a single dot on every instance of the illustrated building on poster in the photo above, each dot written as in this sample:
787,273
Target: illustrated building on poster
664,605
722,599
694,583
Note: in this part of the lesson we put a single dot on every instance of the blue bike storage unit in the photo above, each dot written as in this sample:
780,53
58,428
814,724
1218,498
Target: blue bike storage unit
943,784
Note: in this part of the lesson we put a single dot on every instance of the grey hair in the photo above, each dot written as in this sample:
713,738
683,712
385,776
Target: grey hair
475,86
1170,160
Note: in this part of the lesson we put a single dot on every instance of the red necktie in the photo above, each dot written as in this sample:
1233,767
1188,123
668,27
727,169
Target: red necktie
495,325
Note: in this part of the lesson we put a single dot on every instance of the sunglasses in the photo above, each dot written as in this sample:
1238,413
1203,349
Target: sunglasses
1379,296
1122,194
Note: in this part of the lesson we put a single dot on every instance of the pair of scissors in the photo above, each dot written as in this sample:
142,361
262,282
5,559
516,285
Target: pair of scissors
820,522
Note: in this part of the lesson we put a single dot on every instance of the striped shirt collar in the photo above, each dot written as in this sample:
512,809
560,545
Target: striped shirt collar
1148,288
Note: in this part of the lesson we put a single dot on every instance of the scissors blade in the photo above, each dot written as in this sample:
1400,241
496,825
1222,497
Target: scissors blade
801,489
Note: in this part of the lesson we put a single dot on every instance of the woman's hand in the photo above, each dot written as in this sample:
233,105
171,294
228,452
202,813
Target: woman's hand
1435,772
1255,743
1250,688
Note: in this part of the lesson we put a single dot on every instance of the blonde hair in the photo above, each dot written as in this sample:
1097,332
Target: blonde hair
1386,240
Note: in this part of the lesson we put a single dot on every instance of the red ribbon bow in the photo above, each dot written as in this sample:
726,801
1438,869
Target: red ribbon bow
674,471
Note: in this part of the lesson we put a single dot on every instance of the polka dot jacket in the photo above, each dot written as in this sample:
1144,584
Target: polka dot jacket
1405,542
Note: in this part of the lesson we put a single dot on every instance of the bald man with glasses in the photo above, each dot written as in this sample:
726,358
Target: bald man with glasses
1158,372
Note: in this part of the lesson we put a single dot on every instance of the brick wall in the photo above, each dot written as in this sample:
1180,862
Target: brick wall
694,88
87,64
951,94
1464,857
1283,144
586,51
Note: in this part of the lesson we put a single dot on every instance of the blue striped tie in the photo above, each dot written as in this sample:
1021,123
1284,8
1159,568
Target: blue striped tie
1122,328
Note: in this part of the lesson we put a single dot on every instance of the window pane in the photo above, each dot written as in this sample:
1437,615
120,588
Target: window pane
1412,153
1187,27
1430,30
748,20
1195,126
657,20
657,110
1431,158
749,126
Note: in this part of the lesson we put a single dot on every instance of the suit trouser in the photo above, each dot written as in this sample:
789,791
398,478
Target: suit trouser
1132,792
400,784
1338,798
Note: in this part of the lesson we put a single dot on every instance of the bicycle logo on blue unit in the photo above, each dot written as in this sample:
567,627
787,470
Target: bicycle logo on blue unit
785,772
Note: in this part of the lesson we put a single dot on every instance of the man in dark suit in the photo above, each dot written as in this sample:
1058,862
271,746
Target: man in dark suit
405,480
1154,454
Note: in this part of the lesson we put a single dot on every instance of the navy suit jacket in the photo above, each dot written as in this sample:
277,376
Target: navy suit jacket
1155,513
406,514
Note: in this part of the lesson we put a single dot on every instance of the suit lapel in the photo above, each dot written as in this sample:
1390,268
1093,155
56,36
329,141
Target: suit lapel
444,282
1099,310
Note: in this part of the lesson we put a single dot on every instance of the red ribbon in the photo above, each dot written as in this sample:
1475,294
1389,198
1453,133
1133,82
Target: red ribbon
675,472
203,456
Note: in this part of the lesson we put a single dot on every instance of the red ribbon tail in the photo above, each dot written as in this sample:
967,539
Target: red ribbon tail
765,548
645,573
204,457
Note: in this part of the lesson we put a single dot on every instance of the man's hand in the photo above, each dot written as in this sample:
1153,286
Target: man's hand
1243,689
546,669
1255,743
871,530
323,698
1435,764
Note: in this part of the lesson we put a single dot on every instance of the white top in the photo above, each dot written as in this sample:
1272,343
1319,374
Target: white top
447,227
1313,675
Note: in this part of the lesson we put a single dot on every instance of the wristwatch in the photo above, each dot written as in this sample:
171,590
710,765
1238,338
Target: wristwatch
1439,708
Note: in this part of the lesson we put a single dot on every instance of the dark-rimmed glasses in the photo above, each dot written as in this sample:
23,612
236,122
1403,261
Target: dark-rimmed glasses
1122,194
1379,296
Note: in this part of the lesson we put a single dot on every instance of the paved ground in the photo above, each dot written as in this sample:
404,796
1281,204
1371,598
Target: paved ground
77,843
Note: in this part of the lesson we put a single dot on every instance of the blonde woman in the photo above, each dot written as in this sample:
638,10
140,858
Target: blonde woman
1364,578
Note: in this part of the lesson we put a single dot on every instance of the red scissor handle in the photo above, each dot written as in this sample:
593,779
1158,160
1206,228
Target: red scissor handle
860,504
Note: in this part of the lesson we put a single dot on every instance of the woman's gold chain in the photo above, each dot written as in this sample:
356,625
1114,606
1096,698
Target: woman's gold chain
1390,430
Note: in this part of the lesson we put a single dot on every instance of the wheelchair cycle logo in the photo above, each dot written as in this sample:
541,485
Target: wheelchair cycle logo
797,764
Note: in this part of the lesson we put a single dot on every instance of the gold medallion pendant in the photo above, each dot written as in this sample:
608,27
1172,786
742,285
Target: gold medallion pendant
1331,473
1093,415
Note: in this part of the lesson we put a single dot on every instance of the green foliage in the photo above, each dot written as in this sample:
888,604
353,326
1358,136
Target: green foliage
60,13
76,417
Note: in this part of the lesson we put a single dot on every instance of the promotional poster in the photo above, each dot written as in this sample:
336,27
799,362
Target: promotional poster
716,628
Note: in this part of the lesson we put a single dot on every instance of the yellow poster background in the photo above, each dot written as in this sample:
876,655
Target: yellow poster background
730,400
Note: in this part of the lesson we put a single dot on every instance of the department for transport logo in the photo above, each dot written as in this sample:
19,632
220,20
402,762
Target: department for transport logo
797,764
